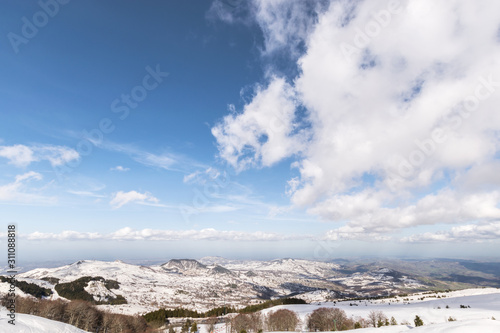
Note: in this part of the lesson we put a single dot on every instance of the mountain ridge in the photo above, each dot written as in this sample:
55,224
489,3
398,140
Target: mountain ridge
210,282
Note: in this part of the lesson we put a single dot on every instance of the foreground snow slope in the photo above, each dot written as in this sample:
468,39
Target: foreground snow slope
484,304
467,326
33,324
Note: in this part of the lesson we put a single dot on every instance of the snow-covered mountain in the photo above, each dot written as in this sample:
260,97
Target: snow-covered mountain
435,309
32,324
183,266
212,282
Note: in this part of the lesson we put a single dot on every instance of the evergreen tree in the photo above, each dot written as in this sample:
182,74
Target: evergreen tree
418,321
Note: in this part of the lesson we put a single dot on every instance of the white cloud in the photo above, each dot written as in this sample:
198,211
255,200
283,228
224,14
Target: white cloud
265,132
228,11
19,191
22,156
354,233
401,111
56,155
86,194
464,233
122,198
202,177
286,24
19,155
369,209
119,168
129,234
64,235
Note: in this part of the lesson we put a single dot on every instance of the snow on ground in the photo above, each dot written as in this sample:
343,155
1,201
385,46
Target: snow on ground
4,289
484,304
99,291
33,324
468,326
204,285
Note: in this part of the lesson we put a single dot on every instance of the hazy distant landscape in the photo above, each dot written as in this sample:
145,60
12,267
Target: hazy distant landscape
249,166
213,282
217,292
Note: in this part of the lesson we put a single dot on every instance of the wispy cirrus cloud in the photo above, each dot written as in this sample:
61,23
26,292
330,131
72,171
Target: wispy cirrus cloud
86,194
165,160
20,192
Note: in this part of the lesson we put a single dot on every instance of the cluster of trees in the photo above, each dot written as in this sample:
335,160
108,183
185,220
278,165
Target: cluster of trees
161,316
282,320
334,319
30,288
81,314
75,290
320,320
188,326
247,322
51,280
269,304
329,319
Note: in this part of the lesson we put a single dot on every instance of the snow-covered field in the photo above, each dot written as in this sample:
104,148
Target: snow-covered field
481,305
32,324
484,305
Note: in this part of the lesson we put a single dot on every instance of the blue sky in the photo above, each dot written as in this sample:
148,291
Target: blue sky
253,129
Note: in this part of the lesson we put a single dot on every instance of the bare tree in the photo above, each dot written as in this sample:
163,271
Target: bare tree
211,323
377,318
282,320
360,322
246,322
328,319
82,315
54,310
27,305
257,323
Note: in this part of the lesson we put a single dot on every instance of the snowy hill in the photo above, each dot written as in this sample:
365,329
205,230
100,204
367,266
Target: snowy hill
481,305
213,282
183,266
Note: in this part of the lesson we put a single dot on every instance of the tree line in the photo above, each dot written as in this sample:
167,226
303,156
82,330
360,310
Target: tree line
75,290
30,288
320,320
161,316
